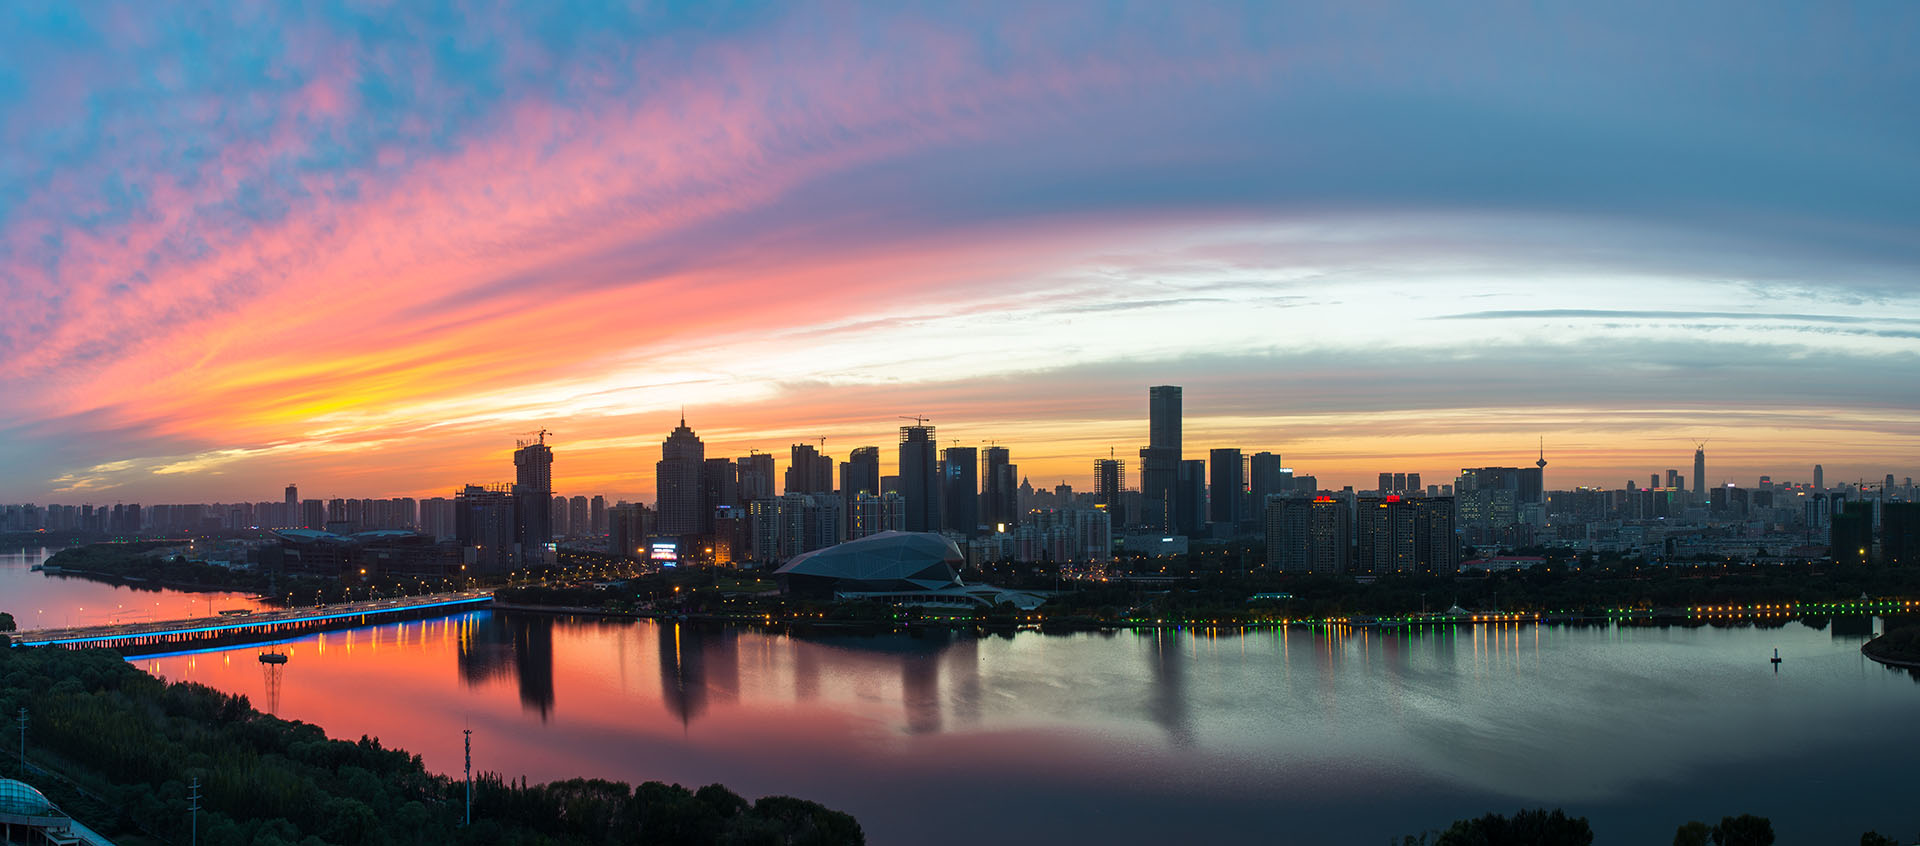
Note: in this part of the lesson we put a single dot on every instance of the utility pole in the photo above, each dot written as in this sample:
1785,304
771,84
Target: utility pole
23,742
193,809
469,734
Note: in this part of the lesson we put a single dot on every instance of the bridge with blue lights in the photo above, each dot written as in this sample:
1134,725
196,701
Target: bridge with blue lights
259,626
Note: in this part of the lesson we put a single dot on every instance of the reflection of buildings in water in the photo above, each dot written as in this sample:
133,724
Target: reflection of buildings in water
806,671
698,665
1168,706
920,692
963,668
519,645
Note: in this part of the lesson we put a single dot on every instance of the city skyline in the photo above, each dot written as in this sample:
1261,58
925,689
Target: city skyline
311,245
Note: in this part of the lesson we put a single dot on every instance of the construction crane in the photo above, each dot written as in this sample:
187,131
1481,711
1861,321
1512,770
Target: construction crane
527,439
917,420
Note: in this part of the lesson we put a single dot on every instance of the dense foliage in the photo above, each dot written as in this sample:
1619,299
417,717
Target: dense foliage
137,560
1902,644
1537,827
121,745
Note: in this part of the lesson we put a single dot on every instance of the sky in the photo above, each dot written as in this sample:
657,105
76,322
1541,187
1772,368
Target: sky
363,247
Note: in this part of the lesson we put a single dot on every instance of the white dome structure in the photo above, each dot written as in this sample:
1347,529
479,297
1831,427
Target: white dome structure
20,799
902,568
888,561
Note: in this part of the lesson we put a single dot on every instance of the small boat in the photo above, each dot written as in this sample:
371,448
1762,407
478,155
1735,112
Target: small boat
1776,656
272,658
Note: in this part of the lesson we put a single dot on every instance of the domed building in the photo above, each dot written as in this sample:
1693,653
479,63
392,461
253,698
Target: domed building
27,817
903,568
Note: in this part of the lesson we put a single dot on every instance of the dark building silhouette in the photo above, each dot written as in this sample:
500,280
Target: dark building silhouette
1227,494
1109,481
484,524
999,488
809,472
1190,497
1265,479
859,475
920,478
1850,535
533,492
677,479
960,491
756,479
1160,459
1900,533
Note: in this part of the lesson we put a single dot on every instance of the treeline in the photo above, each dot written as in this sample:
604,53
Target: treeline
124,745
138,560
1539,827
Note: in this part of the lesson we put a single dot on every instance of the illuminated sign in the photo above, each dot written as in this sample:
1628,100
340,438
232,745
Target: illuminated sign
664,553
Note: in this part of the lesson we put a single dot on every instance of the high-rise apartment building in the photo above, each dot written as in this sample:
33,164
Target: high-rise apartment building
1160,459
1700,475
859,474
960,489
597,516
810,472
719,485
1266,477
756,477
1227,493
533,489
1329,536
291,517
999,488
579,518
1109,479
920,478
486,527
678,491
1190,497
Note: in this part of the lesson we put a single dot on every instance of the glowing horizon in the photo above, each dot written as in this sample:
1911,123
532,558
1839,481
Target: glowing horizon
360,249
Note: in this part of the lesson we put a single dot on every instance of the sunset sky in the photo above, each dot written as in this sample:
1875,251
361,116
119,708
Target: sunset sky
362,246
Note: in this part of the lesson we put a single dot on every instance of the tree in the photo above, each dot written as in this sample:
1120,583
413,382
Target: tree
1695,833
1744,830
6,622
1527,828
1874,838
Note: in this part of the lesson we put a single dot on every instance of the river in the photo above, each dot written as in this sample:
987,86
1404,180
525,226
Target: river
1141,736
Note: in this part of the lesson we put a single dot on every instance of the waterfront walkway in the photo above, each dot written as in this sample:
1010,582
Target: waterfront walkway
169,635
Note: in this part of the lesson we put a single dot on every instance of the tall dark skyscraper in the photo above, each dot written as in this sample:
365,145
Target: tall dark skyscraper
859,475
999,488
1190,497
756,477
1229,487
1109,480
1700,474
960,491
677,481
920,478
1163,417
291,517
1160,460
719,485
1264,479
809,472
533,490
1819,478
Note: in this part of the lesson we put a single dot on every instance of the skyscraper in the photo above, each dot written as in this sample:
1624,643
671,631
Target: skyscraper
719,485
579,518
677,481
1109,479
1190,497
291,517
756,477
859,475
999,488
1265,479
960,492
1819,478
1228,488
920,478
809,472
533,489
1700,474
485,526
1160,459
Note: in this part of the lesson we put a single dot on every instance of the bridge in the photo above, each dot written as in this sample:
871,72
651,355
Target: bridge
200,632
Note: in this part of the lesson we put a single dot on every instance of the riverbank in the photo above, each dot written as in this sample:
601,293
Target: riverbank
124,744
1897,648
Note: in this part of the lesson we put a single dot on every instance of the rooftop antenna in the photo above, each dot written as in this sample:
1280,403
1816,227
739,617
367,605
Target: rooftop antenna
1542,463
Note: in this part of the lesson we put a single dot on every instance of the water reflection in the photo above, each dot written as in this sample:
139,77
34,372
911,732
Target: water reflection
519,646
1147,736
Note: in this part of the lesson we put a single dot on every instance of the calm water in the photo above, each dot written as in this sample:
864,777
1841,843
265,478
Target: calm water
1144,737
39,600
